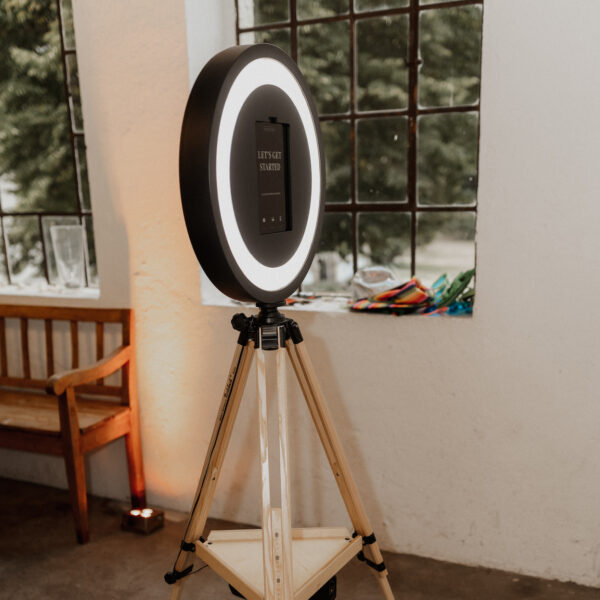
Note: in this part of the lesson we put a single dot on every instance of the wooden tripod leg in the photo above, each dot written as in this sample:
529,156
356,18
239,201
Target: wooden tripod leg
331,443
230,403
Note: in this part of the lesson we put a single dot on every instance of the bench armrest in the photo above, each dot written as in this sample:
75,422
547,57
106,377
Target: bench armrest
107,365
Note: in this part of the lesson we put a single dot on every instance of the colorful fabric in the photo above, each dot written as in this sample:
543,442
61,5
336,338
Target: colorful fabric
443,297
404,299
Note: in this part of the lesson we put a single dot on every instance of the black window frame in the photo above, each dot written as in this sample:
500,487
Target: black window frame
412,112
76,137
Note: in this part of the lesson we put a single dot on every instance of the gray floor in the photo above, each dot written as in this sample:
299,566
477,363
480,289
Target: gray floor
39,559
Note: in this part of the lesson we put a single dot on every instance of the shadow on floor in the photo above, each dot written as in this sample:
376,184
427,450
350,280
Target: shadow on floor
40,560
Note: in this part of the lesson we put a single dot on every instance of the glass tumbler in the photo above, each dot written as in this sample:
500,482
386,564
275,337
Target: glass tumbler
68,246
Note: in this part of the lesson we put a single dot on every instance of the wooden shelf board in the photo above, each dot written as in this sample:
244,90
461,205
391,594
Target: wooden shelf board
317,554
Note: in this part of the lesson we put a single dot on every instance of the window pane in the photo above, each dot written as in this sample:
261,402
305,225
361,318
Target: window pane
67,22
72,74
331,269
445,244
324,58
450,40
447,158
48,222
76,119
75,95
309,9
92,268
382,72
384,240
82,173
25,253
278,37
381,147
3,265
336,140
8,198
362,5
36,160
258,12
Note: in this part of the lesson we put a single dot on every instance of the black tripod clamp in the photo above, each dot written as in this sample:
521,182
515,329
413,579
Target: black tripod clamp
269,330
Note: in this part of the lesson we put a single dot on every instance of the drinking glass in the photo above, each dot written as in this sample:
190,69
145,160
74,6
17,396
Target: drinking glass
68,245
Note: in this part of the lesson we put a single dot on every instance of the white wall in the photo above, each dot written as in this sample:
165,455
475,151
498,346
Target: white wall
473,440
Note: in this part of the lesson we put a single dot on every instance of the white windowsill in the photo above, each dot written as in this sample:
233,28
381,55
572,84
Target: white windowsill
47,291
211,296
337,305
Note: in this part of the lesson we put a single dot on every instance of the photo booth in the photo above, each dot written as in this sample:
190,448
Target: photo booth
252,175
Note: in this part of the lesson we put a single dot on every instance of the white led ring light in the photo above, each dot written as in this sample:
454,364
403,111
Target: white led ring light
259,72
254,225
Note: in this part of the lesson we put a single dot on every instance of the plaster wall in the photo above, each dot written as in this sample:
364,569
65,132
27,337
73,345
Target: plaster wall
472,440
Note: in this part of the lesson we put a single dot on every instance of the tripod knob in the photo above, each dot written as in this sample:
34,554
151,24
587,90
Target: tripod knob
239,321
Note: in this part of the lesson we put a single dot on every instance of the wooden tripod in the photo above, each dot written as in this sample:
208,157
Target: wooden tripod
294,563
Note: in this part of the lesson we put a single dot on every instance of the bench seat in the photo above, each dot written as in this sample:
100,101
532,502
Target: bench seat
31,411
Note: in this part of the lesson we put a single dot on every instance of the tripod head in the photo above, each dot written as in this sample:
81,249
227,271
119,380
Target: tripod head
269,314
269,329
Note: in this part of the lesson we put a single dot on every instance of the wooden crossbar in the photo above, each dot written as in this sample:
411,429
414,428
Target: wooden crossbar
59,313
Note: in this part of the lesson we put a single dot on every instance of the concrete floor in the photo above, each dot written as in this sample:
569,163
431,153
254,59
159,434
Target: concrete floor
39,559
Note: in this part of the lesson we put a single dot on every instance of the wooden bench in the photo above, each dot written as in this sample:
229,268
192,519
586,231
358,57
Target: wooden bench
79,410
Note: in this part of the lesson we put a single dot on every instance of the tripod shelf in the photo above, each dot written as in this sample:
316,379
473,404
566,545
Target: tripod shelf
319,553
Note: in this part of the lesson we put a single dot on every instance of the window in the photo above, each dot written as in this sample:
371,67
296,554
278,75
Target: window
43,168
396,84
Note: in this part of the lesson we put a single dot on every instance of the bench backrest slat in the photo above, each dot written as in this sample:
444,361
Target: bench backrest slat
74,345
49,347
25,348
100,344
3,358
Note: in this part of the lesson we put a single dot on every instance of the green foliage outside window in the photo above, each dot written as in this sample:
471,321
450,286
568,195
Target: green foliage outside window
36,155
35,148
382,46
447,143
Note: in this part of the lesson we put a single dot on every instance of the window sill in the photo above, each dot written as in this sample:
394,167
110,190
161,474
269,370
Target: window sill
327,305
47,291
337,305
211,296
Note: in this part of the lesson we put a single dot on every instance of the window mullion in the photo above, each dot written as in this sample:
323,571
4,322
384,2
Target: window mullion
76,174
353,170
45,252
5,249
294,30
413,74
69,110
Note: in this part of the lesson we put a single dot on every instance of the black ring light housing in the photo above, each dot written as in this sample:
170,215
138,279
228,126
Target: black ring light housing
252,173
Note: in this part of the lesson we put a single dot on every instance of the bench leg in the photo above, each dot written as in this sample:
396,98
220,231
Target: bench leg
133,444
74,463
77,489
135,466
